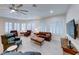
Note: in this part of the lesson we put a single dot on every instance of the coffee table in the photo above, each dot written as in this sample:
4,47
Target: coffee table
37,40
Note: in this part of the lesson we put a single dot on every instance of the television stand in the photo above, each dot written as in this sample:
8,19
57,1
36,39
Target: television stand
66,49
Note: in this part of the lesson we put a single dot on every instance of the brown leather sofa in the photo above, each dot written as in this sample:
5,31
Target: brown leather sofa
45,35
14,32
27,33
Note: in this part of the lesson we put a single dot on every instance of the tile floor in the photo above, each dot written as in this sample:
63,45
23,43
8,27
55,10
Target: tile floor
48,48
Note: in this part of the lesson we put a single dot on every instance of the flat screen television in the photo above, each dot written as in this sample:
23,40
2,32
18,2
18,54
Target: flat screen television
71,29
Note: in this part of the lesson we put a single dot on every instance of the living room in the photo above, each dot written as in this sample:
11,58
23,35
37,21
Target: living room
46,22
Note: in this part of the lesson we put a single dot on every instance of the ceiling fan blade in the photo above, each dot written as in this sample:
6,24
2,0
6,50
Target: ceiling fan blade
13,5
24,10
10,8
34,5
20,5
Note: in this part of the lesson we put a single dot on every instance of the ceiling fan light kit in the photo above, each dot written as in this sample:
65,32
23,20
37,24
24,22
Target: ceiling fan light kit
15,8
12,11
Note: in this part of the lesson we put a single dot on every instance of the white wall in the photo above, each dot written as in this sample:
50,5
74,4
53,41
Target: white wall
57,24
1,26
41,24
73,13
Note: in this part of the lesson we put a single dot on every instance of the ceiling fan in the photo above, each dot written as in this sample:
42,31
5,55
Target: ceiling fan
17,8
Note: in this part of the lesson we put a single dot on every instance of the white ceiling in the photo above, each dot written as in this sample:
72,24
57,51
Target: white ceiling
42,10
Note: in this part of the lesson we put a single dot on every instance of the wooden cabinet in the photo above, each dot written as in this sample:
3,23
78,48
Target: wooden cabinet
78,30
66,49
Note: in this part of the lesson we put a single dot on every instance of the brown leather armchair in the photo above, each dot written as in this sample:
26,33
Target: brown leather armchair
14,32
27,33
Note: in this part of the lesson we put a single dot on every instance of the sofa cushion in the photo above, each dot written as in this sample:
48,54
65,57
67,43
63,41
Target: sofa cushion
48,35
9,35
11,42
12,39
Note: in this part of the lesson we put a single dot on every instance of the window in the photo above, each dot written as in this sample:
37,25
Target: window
33,26
29,26
23,27
8,27
17,26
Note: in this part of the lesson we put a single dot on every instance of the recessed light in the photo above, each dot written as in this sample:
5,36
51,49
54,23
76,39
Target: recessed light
51,11
12,11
